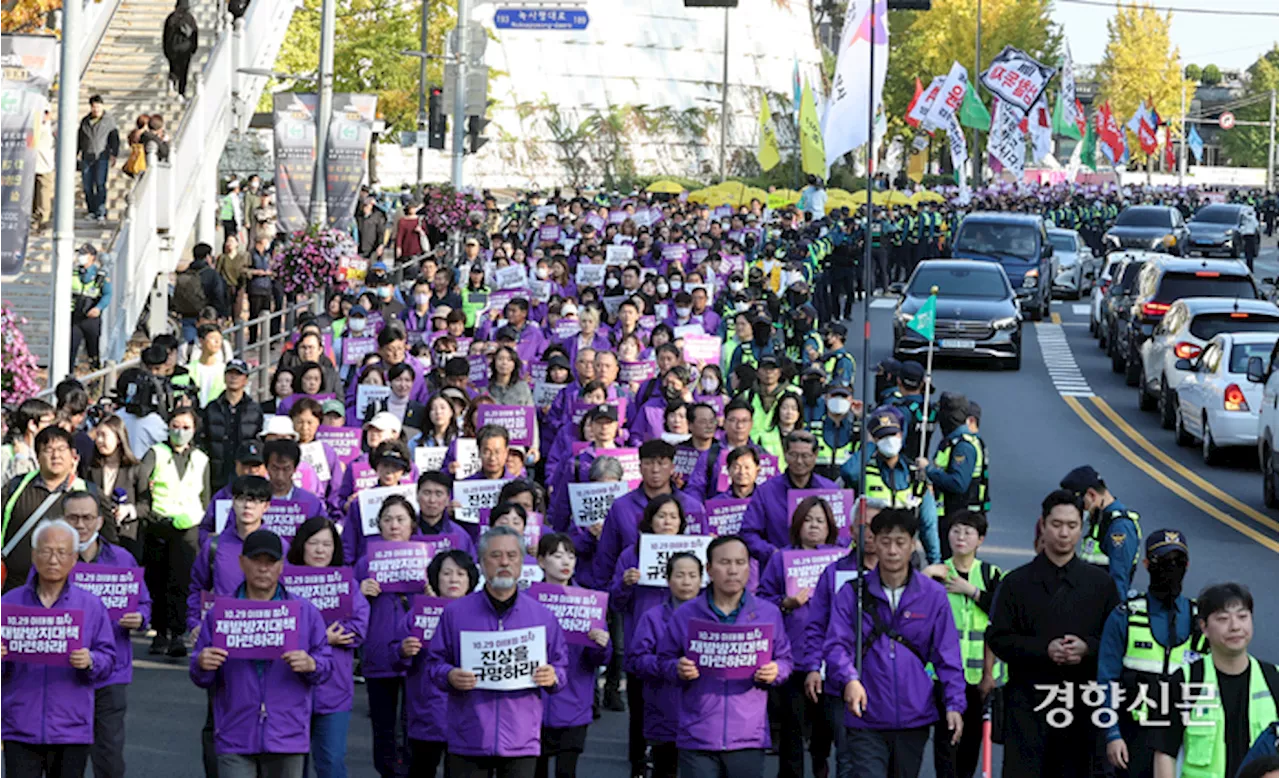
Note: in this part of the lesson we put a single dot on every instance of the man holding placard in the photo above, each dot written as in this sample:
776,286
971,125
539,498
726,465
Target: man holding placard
494,651
262,653
766,526
57,648
725,649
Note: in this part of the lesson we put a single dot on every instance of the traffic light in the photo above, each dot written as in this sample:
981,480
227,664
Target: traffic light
436,124
475,126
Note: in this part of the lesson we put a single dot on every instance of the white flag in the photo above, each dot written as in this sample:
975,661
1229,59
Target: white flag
949,99
845,123
922,106
1070,115
959,149
1006,144
1039,127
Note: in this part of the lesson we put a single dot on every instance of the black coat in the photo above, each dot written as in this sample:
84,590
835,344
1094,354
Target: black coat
127,479
223,428
181,34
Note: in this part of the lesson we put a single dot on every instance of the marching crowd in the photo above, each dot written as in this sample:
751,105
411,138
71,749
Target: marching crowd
610,459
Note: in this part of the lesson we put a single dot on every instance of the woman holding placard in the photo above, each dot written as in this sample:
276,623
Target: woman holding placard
451,574
317,544
391,465
813,528
661,697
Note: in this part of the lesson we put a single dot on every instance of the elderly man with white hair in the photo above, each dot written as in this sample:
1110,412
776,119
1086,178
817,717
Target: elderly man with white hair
47,718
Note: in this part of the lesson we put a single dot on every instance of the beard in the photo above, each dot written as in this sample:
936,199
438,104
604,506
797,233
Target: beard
503,582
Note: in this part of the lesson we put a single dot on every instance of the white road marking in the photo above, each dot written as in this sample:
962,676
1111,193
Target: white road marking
884,302
1060,362
1081,309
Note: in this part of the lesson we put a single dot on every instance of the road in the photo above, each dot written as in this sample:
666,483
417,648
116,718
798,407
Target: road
1035,433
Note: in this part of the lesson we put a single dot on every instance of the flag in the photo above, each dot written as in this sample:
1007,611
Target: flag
1067,116
915,98
973,114
1141,125
950,98
918,110
1040,130
1089,146
795,85
1114,147
1016,78
1170,162
1195,144
812,158
1156,121
916,166
846,122
1006,141
1134,124
1080,119
923,321
767,151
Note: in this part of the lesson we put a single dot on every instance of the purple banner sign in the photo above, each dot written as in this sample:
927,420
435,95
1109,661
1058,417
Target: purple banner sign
425,613
518,420
255,629
578,610
283,517
355,349
330,589
345,441
801,569
724,516
840,500
41,636
119,588
729,651
399,566
629,372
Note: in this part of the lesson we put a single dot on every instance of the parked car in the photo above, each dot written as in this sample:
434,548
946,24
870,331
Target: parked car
1217,404
1162,282
1019,244
1263,372
1148,228
1099,292
1115,307
1077,268
1182,334
1221,228
977,316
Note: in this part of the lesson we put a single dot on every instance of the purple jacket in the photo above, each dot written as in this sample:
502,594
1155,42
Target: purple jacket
310,501
387,611
338,693
571,345
223,577
573,469
358,475
717,714
585,544
457,533
114,556
263,706
766,526
418,393
622,529
493,723
661,696
773,587
633,601
899,691
572,706
426,705
809,653
53,704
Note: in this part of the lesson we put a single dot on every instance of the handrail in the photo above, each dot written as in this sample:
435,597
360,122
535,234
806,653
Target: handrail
96,17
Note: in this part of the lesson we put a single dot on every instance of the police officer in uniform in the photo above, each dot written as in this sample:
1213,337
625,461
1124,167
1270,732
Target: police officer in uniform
911,403
1145,641
960,467
838,431
1112,532
837,362
90,294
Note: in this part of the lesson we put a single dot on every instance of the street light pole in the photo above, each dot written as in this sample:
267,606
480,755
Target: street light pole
422,94
64,215
324,112
724,97
460,91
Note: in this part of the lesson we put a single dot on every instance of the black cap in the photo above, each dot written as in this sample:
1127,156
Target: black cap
154,355
814,371
603,412
1082,479
1166,541
883,421
507,333
87,248
912,374
840,388
250,453
767,361
837,329
457,366
558,360
263,541
237,366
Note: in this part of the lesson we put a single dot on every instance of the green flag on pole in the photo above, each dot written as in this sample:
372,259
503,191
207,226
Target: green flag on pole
924,319
973,114
1089,147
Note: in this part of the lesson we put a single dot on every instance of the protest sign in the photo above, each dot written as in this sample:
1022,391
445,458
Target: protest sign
254,629
545,393
511,277
723,516
478,370
41,636
399,565
618,255
589,503
313,454
629,458
466,453
578,610
371,499
1016,78
801,569
425,614
330,589
843,577
675,252
537,371
686,460
474,495
119,588
617,216
367,394
701,349
540,291
518,420
283,517
840,500
355,348
345,441
221,512
590,275
655,550
549,233
429,459
567,328
504,660
629,372
595,220
692,328
729,651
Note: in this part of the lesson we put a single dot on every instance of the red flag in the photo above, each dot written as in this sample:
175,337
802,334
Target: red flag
1109,133
914,99
1080,120
1169,162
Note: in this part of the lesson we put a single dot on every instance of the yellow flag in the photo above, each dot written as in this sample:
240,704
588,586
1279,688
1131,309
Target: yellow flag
813,159
767,153
916,165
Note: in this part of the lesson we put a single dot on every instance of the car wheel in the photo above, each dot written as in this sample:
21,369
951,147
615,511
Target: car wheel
1117,360
1270,477
1132,370
1167,404
1209,451
1180,434
1235,250
1037,313
1145,401
1102,334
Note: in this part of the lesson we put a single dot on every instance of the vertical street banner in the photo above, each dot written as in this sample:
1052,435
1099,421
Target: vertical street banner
347,155
30,65
1068,117
294,119
1006,143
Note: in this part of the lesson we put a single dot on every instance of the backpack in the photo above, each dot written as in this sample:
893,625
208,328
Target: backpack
188,293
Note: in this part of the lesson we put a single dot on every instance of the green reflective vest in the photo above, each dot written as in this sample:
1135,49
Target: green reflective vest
77,485
1146,655
908,497
971,621
1093,547
978,498
473,301
1204,746
174,496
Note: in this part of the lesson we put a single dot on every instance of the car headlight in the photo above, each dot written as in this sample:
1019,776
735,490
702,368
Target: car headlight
1007,323
1166,240
1031,279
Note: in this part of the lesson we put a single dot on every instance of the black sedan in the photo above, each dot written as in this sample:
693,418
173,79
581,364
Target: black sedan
1148,228
1221,228
978,315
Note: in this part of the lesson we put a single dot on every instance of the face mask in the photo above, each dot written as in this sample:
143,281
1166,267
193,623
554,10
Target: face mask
677,284
422,299
683,313
839,406
742,306
811,390
889,447
181,437
663,289
670,393
735,286
542,273
612,283
83,547
357,324
85,260
1166,580
710,385
385,292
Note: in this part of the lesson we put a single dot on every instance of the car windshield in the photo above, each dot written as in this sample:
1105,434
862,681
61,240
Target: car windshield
1065,243
1175,286
1017,240
1241,352
958,282
1206,325
1217,214
1144,217
1131,271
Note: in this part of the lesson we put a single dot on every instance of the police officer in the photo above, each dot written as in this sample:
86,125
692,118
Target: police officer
960,467
1113,531
813,402
1145,641
900,253
911,403
878,230
90,294
838,432
838,363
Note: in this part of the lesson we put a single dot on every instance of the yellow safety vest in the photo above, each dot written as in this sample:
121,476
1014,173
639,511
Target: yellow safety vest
971,622
1093,546
1146,655
1204,739
977,499
877,489
178,497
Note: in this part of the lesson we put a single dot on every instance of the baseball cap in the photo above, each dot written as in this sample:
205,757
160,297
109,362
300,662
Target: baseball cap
604,412
767,361
840,388
86,248
506,333
385,421
1082,479
237,366
1166,541
154,355
558,360
814,371
472,240
912,374
441,312
262,541
357,310
333,406
279,425
250,453
834,328
378,267
392,455
883,422
568,309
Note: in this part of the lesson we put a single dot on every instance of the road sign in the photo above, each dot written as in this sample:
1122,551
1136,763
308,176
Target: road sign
1227,120
540,19
477,41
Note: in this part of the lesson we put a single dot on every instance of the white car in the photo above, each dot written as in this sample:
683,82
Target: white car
1182,334
1217,403
1077,266
1263,372
1100,291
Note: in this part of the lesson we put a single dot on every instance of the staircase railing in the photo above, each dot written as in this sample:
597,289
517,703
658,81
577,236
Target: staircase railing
96,17
165,206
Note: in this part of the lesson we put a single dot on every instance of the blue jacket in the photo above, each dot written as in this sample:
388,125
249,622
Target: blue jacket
955,480
1115,637
1122,556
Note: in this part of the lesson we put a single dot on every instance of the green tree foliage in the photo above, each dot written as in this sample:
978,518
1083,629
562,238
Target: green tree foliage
1247,146
1211,75
369,37
1192,72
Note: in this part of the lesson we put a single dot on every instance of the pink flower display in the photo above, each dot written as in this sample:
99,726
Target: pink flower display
18,368
311,259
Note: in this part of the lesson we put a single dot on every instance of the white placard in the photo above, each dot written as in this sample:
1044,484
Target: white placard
221,512
511,277
466,452
504,660
655,550
369,393
370,501
429,459
313,454
685,330
589,503
544,393
618,255
590,275
474,495
843,577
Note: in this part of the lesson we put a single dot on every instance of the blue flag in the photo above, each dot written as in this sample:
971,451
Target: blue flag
1195,143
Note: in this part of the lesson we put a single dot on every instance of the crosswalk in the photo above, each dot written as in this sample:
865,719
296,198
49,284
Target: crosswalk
1061,363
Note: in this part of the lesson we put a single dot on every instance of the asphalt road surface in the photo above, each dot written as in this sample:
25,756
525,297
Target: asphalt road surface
1064,408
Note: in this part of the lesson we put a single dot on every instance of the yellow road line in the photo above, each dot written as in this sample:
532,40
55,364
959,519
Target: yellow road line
1055,318
1179,468
1160,478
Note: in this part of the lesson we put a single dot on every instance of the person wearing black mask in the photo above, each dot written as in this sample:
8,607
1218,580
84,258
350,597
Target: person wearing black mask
813,383
1146,641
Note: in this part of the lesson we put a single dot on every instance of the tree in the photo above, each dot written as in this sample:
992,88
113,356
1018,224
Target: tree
1211,75
1192,72
1247,146
368,39
1141,63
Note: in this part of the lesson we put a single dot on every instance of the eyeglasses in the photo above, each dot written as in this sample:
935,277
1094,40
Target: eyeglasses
57,450
75,519
54,553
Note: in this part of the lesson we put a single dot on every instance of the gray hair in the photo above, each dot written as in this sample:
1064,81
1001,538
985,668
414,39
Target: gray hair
53,524
489,536
605,468
800,436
